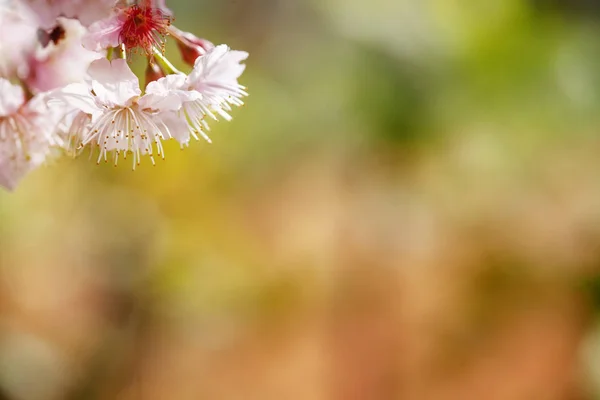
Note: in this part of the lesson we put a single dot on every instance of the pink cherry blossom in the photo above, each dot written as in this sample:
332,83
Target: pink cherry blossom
27,133
139,26
61,88
18,37
47,65
86,11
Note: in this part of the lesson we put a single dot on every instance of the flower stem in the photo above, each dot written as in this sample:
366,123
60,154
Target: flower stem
164,63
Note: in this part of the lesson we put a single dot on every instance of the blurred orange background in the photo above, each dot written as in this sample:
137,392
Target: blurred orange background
408,207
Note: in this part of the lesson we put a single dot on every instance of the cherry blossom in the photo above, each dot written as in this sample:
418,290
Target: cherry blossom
27,133
215,75
121,120
66,84
215,78
48,63
18,33
86,11
142,26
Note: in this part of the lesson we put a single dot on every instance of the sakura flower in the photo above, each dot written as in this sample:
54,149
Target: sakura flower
120,120
26,133
215,78
59,89
161,91
86,11
141,26
18,37
47,65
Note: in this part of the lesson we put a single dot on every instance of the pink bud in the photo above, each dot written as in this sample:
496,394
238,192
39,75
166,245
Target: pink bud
190,46
153,72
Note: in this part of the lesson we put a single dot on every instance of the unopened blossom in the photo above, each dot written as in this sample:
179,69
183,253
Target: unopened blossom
190,46
121,120
27,133
63,60
141,26
153,72
215,78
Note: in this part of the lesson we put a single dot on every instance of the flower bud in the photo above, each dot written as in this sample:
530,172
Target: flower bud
190,46
153,71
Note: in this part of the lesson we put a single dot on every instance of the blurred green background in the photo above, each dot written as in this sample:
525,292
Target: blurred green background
408,207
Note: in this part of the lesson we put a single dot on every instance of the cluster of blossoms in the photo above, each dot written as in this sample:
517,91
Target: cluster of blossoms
66,84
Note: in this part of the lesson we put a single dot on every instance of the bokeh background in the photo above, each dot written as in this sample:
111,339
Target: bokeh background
408,207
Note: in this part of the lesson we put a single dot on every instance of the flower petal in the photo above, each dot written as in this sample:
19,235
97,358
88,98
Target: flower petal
11,99
103,34
218,65
113,82
166,94
48,64
75,96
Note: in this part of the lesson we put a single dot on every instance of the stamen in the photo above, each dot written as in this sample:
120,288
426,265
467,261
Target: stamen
145,27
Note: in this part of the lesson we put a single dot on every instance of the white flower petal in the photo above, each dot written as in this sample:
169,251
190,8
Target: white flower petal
26,138
178,128
113,82
74,97
167,83
11,98
218,65
167,93
215,76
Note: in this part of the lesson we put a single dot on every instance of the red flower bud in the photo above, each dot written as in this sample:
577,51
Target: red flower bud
153,71
190,46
